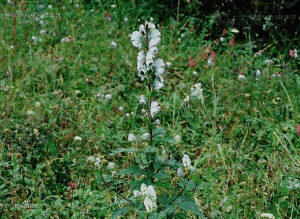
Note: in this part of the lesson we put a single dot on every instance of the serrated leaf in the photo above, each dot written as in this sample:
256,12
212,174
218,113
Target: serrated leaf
160,175
119,212
186,204
135,170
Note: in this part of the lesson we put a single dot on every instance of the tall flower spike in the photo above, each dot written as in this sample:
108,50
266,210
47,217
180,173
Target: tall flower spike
159,66
149,59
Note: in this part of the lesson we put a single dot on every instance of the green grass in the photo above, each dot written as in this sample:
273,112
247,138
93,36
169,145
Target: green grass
241,139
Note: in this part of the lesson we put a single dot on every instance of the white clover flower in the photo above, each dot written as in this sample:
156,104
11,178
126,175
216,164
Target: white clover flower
91,158
148,204
268,61
37,104
143,99
131,137
127,114
77,6
179,172
169,64
108,96
154,108
92,10
198,85
111,166
33,38
120,109
50,7
137,193
150,192
146,136
113,6
195,73
177,139
186,160
113,44
97,164
42,31
242,77
222,39
11,47
126,19
143,188
258,73
157,121
77,138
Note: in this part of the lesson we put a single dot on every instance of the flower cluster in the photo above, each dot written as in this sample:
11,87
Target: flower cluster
197,91
187,162
67,39
149,196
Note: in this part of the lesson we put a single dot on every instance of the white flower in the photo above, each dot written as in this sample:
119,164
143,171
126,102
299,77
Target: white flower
91,158
267,215
136,39
241,77
42,31
76,6
77,138
258,73
143,99
37,104
154,38
137,193
11,47
129,35
169,64
97,164
131,137
126,19
143,188
179,172
113,6
295,55
40,40
97,159
234,31
33,38
29,112
63,40
268,61
198,85
92,10
154,108
158,84
157,121
151,19
195,73
295,50
111,165
113,44
186,99
108,96
120,109
186,160
127,114
159,67
150,192
222,39
146,136
182,35
50,7
149,59
192,168
177,139
209,61
35,131
148,204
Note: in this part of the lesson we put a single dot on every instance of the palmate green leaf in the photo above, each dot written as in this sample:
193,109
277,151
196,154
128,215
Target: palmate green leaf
121,150
160,175
186,204
119,212
132,170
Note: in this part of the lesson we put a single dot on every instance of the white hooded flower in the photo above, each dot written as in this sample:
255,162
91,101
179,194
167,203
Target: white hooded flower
169,64
146,136
151,19
258,73
159,67
113,44
120,109
222,39
242,77
154,108
91,158
143,99
131,137
108,96
149,59
186,160
143,188
77,138
148,204
136,39
177,139
195,73
111,166
154,38
209,61
158,84
150,192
